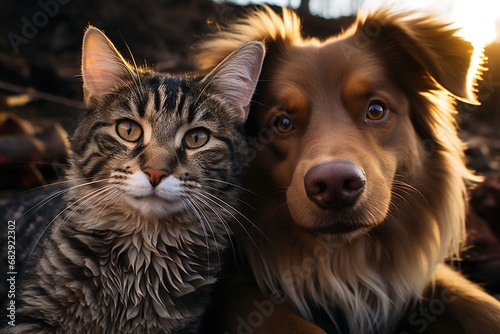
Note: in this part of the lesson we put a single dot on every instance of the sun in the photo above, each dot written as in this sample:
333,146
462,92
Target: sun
478,20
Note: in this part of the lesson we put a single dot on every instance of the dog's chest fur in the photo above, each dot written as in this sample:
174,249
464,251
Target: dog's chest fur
369,113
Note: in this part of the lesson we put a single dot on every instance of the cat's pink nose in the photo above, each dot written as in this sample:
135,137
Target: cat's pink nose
155,175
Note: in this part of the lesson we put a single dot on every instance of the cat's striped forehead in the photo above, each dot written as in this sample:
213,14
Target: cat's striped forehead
157,103
168,93
151,97
165,103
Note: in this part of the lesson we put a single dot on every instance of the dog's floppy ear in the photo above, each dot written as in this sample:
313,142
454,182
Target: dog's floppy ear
432,44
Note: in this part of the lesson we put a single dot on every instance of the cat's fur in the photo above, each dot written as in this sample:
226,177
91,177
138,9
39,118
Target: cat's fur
155,164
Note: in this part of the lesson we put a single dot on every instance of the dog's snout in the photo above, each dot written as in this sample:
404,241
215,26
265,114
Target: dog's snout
335,185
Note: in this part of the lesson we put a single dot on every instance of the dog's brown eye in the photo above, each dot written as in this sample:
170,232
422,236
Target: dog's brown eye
283,124
129,130
376,111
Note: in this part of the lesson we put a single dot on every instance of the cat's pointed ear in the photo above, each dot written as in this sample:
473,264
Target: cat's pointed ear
236,77
102,65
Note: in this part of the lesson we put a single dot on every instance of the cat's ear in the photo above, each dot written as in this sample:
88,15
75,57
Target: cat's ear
102,65
235,78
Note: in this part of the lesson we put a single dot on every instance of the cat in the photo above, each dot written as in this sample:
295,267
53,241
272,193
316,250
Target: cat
155,165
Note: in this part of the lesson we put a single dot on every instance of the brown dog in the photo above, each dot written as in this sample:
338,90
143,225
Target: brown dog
361,170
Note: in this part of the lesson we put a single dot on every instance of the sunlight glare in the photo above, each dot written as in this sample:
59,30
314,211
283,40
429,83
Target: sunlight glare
478,22
477,19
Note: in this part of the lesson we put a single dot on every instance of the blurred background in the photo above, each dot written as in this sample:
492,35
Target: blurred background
40,83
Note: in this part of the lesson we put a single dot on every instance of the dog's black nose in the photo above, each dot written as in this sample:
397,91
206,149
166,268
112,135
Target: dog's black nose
335,185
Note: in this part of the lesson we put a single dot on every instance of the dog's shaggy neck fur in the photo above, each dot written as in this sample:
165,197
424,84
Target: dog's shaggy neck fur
375,277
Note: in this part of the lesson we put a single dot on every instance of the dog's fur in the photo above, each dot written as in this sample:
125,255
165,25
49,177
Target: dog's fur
410,216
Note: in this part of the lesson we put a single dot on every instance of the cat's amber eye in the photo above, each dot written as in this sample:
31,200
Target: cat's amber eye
129,130
196,138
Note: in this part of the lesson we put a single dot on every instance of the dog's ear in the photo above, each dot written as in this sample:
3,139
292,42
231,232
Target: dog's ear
262,24
433,45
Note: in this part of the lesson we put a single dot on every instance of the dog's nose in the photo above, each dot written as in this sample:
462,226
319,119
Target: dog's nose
335,185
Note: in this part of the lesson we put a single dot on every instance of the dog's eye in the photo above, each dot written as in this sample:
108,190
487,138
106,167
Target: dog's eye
283,124
376,111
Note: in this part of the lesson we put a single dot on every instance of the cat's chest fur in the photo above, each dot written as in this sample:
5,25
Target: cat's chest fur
147,279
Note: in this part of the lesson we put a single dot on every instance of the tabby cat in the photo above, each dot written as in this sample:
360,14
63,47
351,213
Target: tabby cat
155,167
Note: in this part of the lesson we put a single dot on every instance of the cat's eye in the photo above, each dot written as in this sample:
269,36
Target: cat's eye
283,124
129,130
196,138
376,111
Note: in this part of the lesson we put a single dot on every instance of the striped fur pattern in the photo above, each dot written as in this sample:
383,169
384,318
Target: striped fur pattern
155,167
413,214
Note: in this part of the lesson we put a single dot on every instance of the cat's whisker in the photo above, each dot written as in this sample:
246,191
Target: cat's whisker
196,197
85,199
216,212
260,103
37,206
279,207
200,214
59,193
134,74
233,185
45,186
215,199
224,224
81,203
205,88
114,193
232,196
40,163
93,193
280,190
199,210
